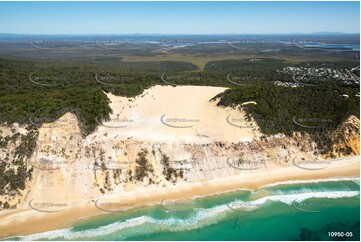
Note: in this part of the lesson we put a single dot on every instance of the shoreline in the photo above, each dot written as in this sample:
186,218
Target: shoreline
27,221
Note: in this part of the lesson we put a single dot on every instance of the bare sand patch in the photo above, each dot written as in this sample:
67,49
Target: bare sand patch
176,114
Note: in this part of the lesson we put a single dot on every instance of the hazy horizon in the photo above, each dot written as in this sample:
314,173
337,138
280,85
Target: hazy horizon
175,34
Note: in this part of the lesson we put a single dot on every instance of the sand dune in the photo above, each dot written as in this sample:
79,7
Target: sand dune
176,114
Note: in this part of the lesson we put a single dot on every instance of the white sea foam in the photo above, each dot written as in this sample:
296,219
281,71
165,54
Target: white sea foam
69,234
291,198
355,179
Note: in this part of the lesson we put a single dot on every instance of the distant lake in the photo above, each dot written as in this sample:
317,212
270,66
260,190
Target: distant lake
354,47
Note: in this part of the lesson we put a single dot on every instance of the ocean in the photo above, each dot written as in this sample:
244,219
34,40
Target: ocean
312,210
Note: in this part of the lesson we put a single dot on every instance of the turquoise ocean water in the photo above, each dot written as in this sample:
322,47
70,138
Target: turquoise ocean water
284,211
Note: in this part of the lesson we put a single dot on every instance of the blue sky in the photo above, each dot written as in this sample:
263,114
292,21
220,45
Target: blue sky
178,17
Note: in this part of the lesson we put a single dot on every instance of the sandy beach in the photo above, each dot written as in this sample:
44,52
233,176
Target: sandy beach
28,221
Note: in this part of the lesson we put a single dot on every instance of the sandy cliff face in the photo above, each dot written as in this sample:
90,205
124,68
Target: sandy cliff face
348,137
136,147
60,163
69,168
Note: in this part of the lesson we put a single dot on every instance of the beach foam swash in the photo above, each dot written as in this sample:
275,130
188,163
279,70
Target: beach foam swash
220,211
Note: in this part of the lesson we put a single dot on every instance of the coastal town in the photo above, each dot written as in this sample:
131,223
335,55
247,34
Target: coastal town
313,75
